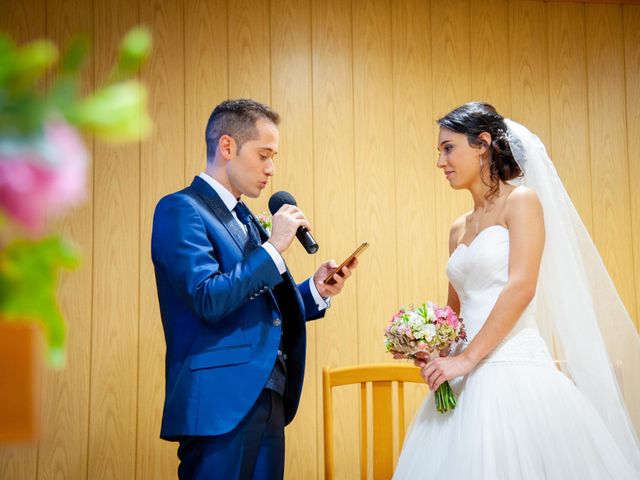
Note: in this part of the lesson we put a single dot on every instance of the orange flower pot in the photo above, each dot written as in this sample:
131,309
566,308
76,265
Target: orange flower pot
20,346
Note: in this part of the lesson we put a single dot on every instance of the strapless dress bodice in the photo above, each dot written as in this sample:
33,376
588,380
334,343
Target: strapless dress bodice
479,272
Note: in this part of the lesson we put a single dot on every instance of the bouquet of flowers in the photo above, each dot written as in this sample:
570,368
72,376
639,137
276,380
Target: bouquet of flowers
427,329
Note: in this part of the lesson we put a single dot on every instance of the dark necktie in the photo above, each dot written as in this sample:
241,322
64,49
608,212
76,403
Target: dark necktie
244,215
278,377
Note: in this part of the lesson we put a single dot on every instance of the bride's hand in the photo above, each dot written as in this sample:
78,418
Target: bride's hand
439,370
423,358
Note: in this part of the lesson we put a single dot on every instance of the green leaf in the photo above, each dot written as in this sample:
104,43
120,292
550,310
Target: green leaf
7,58
28,277
75,55
33,60
134,51
116,112
64,94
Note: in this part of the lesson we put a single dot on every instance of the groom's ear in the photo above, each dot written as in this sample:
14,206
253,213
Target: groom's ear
226,146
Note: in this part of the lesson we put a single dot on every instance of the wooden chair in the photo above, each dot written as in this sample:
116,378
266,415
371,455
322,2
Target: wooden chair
381,376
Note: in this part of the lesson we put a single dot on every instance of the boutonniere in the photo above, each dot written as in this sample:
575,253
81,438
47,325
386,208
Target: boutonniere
266,221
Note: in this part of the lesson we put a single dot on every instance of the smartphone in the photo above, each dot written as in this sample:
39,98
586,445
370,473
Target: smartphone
363,246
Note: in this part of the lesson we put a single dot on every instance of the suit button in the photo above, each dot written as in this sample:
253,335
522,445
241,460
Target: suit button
277,322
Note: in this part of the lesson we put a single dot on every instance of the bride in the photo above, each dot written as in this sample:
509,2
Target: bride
532,288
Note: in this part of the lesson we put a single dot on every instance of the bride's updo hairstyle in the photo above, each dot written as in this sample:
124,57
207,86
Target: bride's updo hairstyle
474,118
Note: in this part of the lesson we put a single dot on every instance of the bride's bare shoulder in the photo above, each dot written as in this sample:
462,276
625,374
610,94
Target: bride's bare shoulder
522,194
456,231
522,201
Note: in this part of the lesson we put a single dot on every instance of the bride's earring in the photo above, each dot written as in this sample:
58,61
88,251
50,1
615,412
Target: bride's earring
481,161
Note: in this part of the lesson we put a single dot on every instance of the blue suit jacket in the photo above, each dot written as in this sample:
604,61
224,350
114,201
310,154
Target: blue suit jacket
223,312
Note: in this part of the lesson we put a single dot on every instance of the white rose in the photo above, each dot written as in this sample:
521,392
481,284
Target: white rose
428,332
431,314
415,320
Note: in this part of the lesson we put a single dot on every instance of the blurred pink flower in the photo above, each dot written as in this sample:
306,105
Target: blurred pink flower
33,184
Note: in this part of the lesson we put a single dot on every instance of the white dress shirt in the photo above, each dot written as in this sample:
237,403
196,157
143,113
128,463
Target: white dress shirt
230,202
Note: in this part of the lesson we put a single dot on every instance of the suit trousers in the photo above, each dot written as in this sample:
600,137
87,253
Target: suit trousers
254,450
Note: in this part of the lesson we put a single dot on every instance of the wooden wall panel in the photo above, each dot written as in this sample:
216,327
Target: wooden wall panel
335,215
65,396
249,62
375,173
291,97
490,59
116,260
607,139
359,87
569,115
205,72
451,63
162,166
414,164
529,68
631,16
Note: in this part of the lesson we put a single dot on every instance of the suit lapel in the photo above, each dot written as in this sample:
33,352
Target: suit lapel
220,210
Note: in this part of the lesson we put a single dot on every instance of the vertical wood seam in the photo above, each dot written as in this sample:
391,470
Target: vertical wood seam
394,147
586,76
627,155
355,171
93,255
140,200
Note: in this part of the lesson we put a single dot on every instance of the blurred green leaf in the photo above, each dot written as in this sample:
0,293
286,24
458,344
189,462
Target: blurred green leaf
75,55
28,276
32,62
116,112
7,58
64,93
134,51
21,114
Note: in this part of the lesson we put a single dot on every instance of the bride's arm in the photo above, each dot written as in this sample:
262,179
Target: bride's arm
525,221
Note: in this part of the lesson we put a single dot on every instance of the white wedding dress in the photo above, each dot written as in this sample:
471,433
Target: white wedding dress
518,416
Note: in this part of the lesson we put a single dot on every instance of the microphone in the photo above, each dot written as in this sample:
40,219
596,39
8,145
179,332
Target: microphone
306,239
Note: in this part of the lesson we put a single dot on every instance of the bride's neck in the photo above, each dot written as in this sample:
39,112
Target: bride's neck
479,195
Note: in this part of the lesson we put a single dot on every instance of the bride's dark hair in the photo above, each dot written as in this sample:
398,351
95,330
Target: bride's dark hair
474,118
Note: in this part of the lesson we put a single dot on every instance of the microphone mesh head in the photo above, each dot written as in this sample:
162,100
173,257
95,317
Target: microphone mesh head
280,198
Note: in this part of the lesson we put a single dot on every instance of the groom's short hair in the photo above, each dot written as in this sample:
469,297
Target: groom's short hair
236,118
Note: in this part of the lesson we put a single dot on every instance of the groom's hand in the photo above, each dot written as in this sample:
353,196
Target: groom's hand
339,277
286,222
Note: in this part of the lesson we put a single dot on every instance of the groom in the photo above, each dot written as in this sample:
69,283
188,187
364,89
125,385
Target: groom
233,317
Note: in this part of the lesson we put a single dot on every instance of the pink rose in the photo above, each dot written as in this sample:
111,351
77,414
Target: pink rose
32,184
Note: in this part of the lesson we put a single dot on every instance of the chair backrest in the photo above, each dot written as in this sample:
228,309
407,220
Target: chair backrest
381,376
